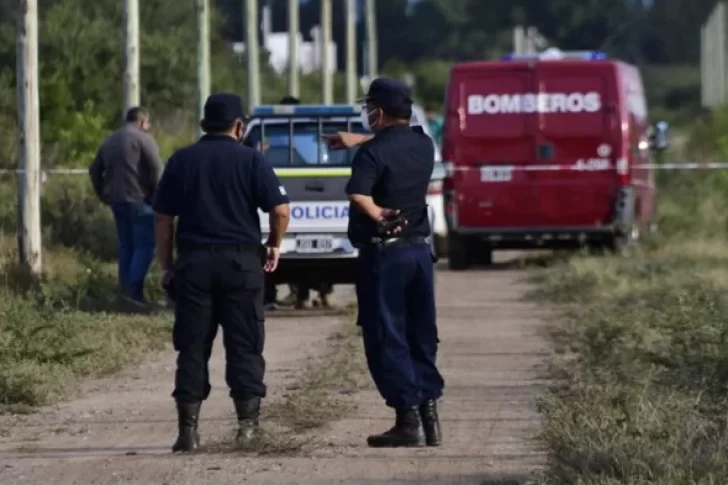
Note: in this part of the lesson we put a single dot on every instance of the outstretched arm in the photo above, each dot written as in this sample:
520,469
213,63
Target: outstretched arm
344,139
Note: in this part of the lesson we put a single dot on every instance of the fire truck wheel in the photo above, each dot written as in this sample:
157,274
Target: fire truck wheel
459,253
484,256
617,243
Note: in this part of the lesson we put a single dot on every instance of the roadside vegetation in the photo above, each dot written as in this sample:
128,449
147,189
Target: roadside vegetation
71,325
640,391
67,328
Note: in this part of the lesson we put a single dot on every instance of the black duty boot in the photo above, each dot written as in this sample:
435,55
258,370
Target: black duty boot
248,412
431,423
188,414
407,432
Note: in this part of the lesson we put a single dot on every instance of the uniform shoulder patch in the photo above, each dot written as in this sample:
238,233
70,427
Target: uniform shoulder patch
282,190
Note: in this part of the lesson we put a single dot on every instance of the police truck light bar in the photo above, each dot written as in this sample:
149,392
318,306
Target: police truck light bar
554,54
306,110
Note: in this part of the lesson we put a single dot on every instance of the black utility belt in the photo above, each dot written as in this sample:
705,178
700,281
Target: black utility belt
219,248
383,243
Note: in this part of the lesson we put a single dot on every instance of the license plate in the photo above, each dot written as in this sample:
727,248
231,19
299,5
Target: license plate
314,244
496,174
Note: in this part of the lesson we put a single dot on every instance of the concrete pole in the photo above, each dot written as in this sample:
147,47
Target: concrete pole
372,43
519,40
252,53
203,56
351,84
327,81
131,54
293,29
29,231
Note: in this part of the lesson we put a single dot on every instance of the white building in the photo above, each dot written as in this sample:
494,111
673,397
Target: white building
309,53
276,43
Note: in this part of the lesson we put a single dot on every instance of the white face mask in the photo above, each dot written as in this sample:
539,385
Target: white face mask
365,119
365,115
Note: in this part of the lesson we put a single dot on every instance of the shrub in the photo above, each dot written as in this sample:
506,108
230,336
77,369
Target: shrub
642,351
47,341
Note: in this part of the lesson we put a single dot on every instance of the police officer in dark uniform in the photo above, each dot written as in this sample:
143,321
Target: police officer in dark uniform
394,283
215,188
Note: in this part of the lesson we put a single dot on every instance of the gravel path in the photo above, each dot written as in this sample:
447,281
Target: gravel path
119,431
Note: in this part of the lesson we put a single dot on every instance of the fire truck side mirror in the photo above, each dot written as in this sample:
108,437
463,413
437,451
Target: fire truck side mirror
660,139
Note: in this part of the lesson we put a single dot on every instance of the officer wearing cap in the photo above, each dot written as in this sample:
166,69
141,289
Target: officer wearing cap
394,284
215,188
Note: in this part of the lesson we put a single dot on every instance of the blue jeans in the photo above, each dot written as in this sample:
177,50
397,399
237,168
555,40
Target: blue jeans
135,242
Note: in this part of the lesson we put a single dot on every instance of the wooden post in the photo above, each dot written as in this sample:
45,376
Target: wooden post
203,57
293,75
351,83
29,232
327,81
131,54
252,54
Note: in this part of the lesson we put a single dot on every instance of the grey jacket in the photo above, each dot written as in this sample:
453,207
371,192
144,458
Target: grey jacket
127,167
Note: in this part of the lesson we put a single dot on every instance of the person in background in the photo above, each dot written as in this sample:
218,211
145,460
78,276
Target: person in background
299,294
435,123
271,290
124,176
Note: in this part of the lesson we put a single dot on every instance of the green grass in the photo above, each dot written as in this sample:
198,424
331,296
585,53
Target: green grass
48,343
640,393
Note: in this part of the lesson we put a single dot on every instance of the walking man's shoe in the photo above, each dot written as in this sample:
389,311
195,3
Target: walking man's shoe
188,414
407,431
248,412
431,423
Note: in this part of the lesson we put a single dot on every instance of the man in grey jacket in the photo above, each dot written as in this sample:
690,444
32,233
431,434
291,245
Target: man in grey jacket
124,175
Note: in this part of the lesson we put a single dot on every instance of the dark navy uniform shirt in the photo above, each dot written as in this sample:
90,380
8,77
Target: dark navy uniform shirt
216,187
394,168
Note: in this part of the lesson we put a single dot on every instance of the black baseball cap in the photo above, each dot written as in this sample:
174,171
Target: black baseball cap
288,99
221,110
393,97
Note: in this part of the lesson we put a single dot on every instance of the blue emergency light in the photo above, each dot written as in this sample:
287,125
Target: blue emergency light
306,110
554,54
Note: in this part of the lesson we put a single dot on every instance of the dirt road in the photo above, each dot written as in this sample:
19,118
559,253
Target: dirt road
119,430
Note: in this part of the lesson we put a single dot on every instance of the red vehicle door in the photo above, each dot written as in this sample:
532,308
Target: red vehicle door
488,136
578,135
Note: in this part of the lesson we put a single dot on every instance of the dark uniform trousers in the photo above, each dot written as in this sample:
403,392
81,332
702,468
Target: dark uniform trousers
395,292
226,289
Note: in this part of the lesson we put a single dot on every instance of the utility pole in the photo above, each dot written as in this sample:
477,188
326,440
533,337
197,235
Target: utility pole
519,40
29,233
131,54
293,48
327,81
351,84
372,49
203,57
251,49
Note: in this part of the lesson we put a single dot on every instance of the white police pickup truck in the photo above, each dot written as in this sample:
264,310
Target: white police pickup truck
316,249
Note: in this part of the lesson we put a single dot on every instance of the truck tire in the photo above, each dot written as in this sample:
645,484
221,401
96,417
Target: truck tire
459,255
440,246
617,243
484,256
